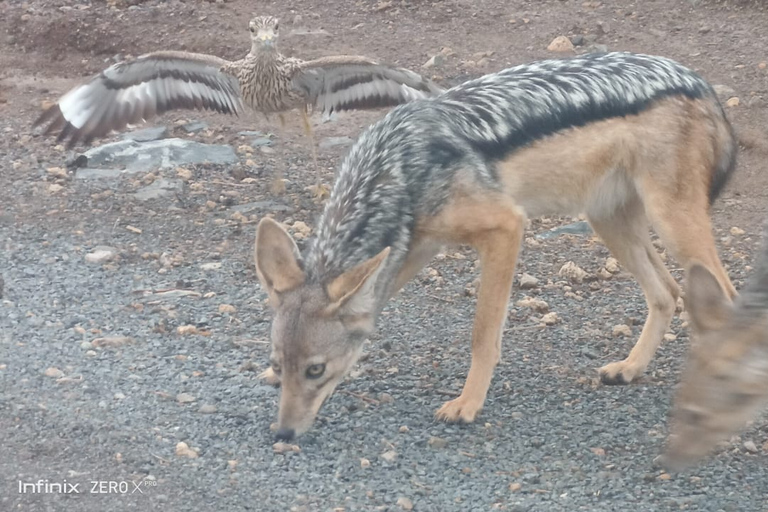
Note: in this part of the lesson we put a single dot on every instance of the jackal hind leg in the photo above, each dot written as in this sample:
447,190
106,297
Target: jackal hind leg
498,249
626,234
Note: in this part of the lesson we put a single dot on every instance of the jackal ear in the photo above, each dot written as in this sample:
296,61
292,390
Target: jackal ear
705,300
278,263
353,292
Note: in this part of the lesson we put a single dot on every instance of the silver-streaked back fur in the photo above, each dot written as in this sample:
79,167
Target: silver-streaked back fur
401,167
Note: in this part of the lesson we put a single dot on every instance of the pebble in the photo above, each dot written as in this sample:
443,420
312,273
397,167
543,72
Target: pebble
572,272
750,446
404,503
560,44
732,102
227,308
550,318
183,450
621,330
537,305
437,442
528,282
434,61
612,265
207,409
737,231
389,455
54,372
185,398
365,463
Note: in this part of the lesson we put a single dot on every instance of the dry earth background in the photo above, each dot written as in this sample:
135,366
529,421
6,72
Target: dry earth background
74,406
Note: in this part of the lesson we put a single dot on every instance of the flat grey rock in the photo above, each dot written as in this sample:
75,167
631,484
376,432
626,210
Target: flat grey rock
272,206
147,134
88,173
261,141
195,126
575,228
158,189
330,142
135,156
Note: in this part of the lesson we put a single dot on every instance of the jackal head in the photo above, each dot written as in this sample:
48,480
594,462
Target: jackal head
318,327
725,382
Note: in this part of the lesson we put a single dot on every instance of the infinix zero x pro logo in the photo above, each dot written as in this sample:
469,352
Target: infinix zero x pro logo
92,487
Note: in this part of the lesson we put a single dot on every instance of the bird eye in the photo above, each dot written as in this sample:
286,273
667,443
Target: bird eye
316,371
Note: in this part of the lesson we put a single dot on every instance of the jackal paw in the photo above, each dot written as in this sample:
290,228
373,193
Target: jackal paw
620,373
460,409
270,377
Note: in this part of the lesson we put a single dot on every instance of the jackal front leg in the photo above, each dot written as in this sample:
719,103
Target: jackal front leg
498,254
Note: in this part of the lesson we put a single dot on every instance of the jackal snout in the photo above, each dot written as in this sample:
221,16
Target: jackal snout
726,379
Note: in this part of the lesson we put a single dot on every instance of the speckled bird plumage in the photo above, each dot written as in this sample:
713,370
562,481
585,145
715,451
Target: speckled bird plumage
402,167
136,90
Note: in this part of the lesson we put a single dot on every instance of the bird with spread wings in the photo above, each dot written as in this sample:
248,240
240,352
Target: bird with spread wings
139,89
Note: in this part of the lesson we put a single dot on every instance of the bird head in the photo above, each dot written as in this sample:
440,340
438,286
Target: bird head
264,30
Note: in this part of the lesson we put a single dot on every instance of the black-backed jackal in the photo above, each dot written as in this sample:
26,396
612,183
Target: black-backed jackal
628,139
725,382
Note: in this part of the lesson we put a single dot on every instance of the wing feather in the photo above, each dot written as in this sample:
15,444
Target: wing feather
351,82
137,90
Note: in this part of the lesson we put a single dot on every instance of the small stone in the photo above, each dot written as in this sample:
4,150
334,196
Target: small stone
737,231
665,476
612,265
762,65
577,40
119,396
404,503
537,305
434,61
515,486
186,329
604,275
183,450
598,451
214,265
669,337
550,318
185,398
301,227
389,455
527,282
55,188
365,463
101,255
403,429
227,308
750,446
437,442
112,341
206,409
90,353
732,102
183,173
621,330
285,448
560,44
57,172
54,372
572,272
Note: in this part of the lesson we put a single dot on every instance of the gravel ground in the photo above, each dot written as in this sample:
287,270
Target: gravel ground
106,366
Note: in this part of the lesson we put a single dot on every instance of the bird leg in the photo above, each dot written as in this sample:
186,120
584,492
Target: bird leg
278,183
319,190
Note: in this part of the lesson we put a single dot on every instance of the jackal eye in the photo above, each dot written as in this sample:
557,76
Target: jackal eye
316,371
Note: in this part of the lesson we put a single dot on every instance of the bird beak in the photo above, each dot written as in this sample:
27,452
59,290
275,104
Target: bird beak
266,37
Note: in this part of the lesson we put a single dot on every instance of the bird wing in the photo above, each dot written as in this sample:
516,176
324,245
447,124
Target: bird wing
139,89
349,82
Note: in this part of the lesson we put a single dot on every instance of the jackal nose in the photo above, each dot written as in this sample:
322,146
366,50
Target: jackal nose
285,434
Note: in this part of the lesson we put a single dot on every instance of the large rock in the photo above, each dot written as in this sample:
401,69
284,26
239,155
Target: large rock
135,156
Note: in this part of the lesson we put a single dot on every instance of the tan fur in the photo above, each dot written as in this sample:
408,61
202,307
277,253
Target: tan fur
725,382
626,174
